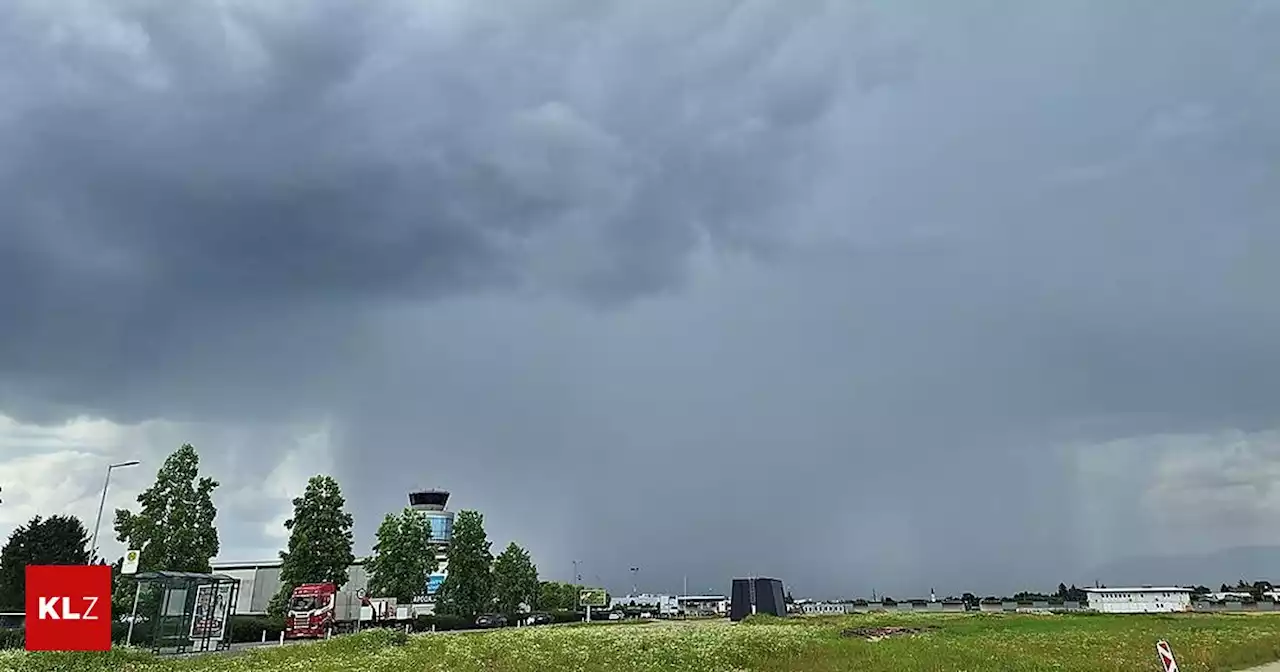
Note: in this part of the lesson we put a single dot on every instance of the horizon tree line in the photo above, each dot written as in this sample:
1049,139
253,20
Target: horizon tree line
175,528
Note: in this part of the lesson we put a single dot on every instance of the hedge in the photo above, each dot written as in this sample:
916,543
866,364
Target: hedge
241,628
13,638
441,622
561,616
249,628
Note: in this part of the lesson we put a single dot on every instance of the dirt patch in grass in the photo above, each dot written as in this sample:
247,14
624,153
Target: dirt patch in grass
875,634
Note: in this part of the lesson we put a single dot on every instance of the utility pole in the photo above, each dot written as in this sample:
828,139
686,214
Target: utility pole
635,585
577,576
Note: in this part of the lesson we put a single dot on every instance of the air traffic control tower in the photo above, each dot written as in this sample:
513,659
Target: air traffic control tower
431,503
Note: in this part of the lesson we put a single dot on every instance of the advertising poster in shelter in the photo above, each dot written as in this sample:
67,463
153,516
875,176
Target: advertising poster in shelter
210,617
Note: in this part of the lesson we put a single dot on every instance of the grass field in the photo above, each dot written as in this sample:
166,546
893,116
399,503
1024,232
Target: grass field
948,642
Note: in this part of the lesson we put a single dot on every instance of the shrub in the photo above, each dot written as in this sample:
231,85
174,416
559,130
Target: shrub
171,631
442,622
248,628
241,628
141,633
13,638
564,616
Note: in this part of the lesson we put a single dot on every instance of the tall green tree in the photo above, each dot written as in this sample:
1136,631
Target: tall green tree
320,540
403,557
468,588
175,527
56,540
557,596
515,579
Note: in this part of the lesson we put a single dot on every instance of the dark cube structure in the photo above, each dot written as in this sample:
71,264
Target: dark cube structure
756,596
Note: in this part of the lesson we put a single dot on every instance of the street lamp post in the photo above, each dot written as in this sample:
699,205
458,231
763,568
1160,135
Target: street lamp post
93,544
635,585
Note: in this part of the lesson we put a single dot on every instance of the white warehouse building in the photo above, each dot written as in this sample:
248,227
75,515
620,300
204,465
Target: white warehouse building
1144,600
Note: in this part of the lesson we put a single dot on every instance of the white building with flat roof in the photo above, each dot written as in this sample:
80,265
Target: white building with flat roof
703,605
1144,600
824,608
1230,595
663,604
259,581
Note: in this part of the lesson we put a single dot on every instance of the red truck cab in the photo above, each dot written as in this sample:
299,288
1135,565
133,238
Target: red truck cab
311,611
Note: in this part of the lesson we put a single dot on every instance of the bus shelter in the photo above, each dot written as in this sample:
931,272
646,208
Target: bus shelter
189,611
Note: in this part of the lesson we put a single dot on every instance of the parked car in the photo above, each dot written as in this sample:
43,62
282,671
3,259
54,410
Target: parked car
491,621
539,618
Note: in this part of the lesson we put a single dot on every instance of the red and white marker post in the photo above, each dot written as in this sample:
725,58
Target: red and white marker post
1166,656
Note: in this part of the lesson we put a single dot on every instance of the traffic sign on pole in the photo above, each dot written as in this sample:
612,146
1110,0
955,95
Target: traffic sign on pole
130,564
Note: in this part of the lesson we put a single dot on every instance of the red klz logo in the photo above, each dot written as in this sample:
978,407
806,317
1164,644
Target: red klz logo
49,609
68,608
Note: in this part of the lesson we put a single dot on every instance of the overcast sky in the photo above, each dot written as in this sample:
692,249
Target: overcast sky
864,295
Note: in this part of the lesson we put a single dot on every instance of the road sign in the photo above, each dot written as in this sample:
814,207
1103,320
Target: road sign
130,565
1166,656
593,597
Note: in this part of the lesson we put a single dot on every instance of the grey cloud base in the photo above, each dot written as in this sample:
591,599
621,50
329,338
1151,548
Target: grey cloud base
609,257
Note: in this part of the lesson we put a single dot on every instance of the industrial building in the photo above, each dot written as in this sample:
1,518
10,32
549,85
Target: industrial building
703,605
824,608
665,605
1230,595
260,581
1144,600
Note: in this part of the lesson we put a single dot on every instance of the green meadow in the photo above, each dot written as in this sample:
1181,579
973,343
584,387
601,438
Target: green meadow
866,643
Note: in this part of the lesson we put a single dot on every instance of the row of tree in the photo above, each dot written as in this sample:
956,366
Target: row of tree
175,529
404,557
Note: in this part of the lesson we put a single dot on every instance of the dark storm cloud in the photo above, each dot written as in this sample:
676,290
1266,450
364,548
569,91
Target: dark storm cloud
886,252
208,166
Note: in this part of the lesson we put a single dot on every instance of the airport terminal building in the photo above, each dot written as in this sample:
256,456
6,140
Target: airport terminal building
260,580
